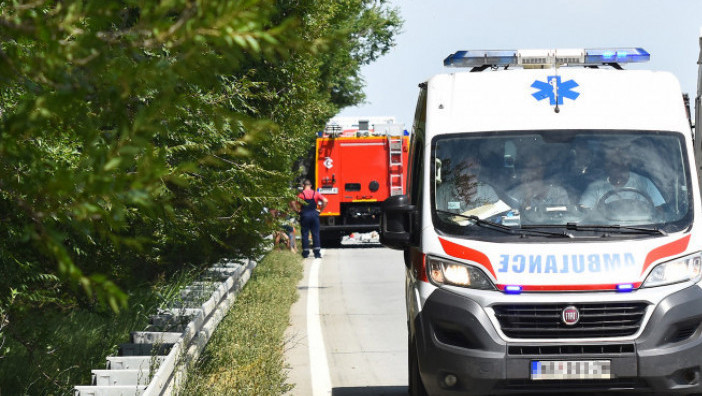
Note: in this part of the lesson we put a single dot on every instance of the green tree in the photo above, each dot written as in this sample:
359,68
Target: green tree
138,136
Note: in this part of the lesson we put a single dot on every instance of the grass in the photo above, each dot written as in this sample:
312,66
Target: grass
245,356
51,350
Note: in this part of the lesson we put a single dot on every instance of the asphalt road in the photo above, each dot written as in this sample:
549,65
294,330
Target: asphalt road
348,334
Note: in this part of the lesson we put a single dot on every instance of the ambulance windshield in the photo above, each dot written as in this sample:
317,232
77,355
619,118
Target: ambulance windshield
588,182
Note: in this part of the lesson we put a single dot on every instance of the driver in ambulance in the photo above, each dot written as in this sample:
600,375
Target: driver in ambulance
620,182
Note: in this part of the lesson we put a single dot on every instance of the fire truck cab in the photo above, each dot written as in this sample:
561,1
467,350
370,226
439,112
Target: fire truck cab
359,163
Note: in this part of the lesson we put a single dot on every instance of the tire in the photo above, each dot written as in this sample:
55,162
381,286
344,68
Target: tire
416,386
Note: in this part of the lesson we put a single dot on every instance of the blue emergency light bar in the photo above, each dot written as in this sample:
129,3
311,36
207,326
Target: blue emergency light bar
564,57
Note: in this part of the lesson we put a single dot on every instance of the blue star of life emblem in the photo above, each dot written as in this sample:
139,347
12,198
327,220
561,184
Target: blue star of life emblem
553,89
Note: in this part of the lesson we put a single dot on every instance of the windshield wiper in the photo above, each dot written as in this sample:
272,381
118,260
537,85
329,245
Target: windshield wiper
506,229
602,227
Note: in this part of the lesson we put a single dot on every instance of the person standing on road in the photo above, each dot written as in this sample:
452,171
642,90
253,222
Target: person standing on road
309,218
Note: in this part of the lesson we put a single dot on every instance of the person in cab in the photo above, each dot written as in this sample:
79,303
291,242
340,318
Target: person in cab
461,190
535,190
620,186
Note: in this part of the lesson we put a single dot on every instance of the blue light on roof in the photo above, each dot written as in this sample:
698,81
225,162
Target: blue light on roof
476,58
608,55
621,55
513,289
625,287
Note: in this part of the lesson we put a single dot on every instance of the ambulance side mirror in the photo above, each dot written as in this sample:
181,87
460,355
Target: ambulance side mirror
396,222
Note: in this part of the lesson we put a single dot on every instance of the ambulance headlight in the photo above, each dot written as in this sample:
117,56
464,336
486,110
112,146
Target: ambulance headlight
679,270
446,272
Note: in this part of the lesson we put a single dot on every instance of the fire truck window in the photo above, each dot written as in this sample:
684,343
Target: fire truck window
352,186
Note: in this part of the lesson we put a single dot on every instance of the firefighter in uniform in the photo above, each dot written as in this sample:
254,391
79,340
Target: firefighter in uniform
309,218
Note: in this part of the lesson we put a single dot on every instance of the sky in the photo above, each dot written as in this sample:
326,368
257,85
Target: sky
668,29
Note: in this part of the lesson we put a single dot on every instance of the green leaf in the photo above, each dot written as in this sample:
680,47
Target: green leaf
112,164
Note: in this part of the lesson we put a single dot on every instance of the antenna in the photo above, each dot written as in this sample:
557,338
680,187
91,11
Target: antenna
554,81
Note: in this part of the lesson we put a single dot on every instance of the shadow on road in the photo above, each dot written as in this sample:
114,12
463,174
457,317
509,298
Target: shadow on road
361,246
402,390
371,391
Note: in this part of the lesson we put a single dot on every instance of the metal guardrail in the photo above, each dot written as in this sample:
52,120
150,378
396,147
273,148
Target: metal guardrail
156,361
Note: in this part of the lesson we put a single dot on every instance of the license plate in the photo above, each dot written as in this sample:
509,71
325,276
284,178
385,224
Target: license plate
332,190
570,369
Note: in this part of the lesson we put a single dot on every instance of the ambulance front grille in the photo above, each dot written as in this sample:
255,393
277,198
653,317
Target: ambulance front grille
597,320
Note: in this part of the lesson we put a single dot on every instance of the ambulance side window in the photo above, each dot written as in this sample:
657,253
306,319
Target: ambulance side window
414,173
414,186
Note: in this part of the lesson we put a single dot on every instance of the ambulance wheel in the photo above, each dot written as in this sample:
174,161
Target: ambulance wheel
416,386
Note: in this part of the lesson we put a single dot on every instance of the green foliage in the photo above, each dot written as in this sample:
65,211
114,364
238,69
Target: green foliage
49,354
107,109
137,137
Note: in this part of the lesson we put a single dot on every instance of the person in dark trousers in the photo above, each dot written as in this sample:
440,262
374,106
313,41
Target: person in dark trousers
309,218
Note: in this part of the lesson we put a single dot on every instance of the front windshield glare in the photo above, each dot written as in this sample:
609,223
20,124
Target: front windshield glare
561,178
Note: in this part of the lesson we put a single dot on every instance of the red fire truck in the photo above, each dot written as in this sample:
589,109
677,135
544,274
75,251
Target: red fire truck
359,162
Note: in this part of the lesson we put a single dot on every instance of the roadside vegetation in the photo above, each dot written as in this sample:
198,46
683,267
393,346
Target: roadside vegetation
49,354
245,356
139,139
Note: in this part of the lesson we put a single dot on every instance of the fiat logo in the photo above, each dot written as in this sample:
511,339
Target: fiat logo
570,315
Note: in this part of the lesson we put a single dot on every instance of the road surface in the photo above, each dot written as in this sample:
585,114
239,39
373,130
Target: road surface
348,335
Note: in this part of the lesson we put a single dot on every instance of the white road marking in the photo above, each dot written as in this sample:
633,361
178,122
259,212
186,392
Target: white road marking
321,382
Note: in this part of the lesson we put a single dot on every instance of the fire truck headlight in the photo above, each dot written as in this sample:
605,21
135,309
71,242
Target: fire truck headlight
446,272
675,271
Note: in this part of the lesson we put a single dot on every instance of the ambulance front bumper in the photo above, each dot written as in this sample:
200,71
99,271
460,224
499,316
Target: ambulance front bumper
454,336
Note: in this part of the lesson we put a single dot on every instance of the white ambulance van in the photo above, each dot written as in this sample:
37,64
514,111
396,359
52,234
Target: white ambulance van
551,228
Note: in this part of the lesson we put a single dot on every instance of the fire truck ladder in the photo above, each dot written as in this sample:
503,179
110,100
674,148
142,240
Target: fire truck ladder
395,164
